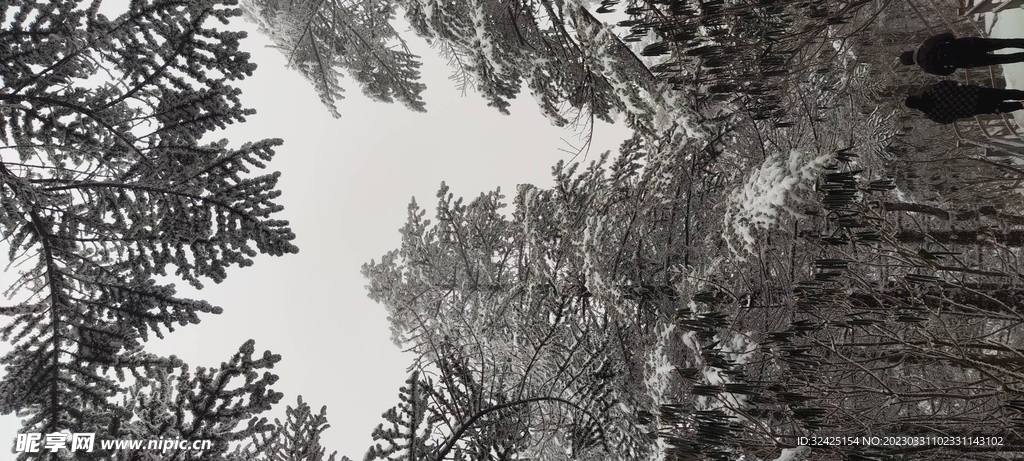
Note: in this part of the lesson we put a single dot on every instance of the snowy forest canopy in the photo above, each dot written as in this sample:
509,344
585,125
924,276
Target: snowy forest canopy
778,252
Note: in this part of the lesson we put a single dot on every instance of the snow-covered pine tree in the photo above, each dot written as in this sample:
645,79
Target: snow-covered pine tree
572,63
747,51
108,182
220,404
411,423
321,39
455,410
296,439
464,259
770,191
515,298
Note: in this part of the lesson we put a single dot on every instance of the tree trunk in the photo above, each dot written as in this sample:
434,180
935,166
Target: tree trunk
1014,238
983,211
1002,300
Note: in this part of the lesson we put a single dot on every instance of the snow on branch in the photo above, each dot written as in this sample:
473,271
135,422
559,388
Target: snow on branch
769,190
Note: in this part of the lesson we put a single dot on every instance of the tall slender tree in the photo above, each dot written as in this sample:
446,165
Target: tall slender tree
108,180
553,305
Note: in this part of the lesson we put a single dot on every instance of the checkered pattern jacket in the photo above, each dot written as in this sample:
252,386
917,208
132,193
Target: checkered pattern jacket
951,101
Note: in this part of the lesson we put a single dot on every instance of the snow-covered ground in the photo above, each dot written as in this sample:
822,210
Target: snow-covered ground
1009,24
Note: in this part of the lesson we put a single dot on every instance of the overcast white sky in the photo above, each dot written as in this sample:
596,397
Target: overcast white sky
347,184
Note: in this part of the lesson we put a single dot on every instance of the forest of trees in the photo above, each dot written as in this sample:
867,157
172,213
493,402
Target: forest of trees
778,252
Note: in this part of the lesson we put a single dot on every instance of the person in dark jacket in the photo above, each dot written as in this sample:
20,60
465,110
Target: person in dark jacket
949,101
943,54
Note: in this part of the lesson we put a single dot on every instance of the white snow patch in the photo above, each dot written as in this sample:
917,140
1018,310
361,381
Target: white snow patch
739,348
757,204
1009,24
690,340
478,16
713,376
793,454
658,368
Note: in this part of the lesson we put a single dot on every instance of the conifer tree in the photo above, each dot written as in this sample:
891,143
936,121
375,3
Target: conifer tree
574,66
296,439
108,183
456,410
551,302
749,52
322,38
410,424
209,404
